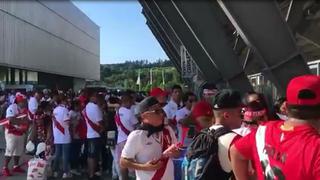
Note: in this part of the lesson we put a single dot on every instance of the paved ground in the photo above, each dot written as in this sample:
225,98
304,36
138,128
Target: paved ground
25,159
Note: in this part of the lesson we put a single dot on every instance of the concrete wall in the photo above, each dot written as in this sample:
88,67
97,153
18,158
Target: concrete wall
52,37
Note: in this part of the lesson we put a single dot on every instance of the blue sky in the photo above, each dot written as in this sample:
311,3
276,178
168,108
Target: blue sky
124,34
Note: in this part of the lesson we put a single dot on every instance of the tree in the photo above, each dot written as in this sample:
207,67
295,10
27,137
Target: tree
125,74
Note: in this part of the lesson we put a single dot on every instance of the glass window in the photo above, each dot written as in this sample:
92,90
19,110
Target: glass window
3,73
32,77
17,76
314,69
254,81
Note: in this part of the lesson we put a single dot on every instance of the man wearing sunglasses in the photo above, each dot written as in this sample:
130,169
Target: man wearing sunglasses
149,149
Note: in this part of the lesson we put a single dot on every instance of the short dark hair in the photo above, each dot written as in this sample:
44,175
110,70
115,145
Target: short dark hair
75,103
92,94
37,92
261,97
126,96
186,96
130,91
278,103
176,87
44,104
114,100
304,112
61,98
255,106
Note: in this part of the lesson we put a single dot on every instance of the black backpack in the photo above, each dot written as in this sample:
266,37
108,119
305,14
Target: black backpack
202,161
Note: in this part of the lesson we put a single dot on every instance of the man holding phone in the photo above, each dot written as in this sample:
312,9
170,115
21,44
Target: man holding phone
149,149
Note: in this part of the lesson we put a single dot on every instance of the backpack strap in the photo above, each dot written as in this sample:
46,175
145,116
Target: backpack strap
216,133
220,132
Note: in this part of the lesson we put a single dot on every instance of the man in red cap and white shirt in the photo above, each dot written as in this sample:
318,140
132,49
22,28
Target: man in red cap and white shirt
15,134
285,149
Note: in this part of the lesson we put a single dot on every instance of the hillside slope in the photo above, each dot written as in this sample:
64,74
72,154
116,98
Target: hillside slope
125,75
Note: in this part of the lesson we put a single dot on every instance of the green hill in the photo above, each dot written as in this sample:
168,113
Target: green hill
125,75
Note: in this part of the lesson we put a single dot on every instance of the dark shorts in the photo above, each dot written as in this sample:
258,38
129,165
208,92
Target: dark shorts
94,146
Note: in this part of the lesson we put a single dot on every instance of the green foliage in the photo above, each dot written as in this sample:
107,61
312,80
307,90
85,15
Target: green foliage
125,75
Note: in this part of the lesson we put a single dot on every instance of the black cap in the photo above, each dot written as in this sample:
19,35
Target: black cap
227,98
144,105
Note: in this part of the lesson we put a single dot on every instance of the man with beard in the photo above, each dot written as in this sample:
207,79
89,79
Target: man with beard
149,149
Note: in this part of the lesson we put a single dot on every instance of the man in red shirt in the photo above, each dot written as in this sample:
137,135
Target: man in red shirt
285,149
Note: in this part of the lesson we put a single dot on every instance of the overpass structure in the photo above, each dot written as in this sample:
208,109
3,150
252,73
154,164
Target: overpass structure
234,43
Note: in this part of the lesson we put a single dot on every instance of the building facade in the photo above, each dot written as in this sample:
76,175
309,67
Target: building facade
47,43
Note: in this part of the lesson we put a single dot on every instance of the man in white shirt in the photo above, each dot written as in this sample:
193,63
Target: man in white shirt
126,123
46,95
189,99
33,104
61,137
173,105
145,150
11,97
15,131
227,112
94,121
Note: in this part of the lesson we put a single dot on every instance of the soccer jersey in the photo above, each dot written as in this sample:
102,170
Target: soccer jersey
285,154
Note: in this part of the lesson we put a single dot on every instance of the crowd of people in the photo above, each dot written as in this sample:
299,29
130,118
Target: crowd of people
220,135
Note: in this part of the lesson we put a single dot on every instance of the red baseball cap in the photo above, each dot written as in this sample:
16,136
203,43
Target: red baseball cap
20,98
304,91
155,92
202,108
